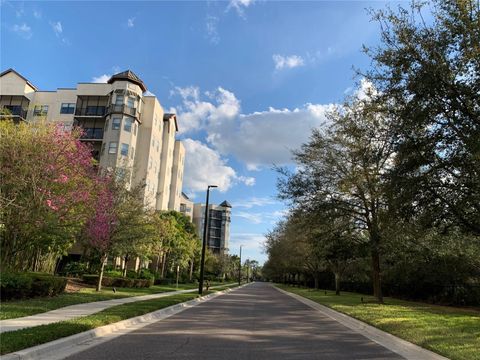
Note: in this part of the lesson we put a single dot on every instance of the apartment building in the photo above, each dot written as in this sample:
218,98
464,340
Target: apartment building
129,130
186,206
218,227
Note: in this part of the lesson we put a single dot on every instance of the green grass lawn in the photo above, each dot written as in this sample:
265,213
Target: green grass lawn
25,338
449,331
19,308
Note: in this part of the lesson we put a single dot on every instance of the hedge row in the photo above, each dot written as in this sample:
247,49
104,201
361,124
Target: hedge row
118,281
27,285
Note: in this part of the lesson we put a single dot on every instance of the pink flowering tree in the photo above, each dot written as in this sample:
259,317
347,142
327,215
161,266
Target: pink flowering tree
100,228
47,191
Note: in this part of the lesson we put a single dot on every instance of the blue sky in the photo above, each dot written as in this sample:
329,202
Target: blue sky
248,79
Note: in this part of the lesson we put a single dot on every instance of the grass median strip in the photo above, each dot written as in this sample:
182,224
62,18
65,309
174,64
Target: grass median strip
25,338
19,308
451,332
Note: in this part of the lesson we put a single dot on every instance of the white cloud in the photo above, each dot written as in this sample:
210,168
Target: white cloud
287,62
254,218
266,138
247,240
254,201
131,22
260,217
259,139
247,180
23,30
57,28
211,27
239,6
101,79
365,90
204,166
197,113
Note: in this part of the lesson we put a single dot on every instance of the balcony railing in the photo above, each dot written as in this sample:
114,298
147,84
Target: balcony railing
92,134
16,110
123,109
91,111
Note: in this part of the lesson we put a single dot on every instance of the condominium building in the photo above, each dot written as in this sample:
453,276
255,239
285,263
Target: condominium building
186,206
129,131
218,227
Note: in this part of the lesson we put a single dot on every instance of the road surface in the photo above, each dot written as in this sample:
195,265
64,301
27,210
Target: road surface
254,322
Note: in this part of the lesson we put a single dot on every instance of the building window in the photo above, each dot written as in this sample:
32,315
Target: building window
40,110
130,102
127,124
119,100
67,108
116,123
124,150
132,154
112,147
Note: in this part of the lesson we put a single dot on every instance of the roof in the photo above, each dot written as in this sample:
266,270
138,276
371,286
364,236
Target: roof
24,78
185,196
226,204
169,116
128,75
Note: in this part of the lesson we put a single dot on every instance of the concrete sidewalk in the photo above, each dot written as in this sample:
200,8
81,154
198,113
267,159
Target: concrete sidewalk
79,310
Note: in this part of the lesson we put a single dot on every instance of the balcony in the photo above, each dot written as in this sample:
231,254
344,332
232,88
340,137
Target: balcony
16,111
92,134
123,109
91,111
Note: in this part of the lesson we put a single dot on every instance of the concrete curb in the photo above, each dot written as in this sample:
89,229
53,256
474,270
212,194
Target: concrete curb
402,347
64,347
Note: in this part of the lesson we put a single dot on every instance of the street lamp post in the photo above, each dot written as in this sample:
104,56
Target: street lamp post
240,268
204,243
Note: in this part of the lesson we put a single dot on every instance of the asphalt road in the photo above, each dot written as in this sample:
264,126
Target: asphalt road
255,322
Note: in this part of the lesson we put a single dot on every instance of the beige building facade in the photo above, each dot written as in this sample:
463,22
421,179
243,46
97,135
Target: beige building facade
127,127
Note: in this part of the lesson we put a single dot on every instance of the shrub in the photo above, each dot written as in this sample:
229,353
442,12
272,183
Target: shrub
113,273
26,285
119,282
75,269
132,274
146,274
164,281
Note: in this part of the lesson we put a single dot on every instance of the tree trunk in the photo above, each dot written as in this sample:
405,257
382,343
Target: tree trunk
163,265
376,277
337,283
157,266
125,263
191,270
100,276
317,285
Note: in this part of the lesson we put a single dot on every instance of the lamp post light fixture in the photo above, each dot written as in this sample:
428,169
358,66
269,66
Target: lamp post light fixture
204,243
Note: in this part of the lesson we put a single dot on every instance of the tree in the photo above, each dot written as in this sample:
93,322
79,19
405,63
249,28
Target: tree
120,225
428,76
342,173
47,190
100,228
